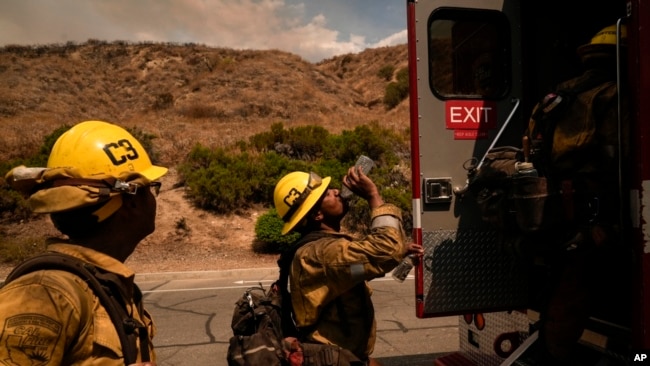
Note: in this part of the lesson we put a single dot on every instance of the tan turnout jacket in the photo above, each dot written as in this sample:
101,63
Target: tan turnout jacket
328,282
52,317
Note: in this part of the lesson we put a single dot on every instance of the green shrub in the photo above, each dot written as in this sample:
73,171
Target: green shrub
219,181
48,142
302,142
14,250
226,181
13,206
371,140
397,91
268,232
386,72
307,142
265,141
274,166
394,95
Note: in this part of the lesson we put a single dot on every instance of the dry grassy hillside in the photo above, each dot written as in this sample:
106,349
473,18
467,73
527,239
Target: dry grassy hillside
185,94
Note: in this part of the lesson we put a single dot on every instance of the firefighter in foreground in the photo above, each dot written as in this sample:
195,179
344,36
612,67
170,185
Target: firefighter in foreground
97,188
330,270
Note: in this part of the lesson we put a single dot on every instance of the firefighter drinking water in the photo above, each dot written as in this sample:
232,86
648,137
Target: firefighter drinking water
330,270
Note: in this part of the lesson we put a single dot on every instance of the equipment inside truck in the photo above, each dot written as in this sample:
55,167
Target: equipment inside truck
533,219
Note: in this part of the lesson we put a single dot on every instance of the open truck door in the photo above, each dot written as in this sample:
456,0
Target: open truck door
465,103
477,69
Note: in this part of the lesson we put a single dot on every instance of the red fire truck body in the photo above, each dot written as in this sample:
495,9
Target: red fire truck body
477,69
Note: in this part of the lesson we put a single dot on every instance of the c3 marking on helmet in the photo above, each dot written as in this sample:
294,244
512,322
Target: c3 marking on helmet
291,197
131,153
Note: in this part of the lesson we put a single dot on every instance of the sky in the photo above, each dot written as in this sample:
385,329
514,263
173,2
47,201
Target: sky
312,29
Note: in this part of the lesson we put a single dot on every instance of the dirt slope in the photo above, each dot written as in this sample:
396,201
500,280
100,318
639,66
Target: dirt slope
183,95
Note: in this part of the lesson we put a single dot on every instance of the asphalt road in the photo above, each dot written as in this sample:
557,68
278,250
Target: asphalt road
192,311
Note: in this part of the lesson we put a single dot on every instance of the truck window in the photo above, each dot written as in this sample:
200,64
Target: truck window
469,53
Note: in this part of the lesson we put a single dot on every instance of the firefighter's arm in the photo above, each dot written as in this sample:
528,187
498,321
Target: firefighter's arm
385,246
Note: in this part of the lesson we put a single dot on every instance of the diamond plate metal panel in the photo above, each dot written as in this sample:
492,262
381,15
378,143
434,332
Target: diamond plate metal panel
468,271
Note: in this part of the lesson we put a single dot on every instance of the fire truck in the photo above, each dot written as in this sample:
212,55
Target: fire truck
477,70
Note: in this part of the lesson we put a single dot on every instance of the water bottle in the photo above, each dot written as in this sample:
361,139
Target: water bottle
402,270
365,164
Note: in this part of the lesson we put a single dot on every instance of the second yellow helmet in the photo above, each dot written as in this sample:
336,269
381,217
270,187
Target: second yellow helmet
604,41
296,194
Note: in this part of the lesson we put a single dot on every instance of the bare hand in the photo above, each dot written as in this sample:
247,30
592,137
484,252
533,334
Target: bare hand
363,187
416,251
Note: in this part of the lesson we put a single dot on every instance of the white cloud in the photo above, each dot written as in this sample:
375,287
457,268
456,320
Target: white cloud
392,40
238,24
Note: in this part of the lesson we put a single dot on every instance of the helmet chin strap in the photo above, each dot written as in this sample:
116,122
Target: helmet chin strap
109,208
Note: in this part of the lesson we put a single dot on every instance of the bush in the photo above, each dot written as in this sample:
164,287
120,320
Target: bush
370,140
13,250
303,142
219,181
268,231
226,181
397,91
48,143
386,72
13,206
265,141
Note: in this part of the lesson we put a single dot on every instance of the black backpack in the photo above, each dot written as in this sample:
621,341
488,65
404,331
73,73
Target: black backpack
264,333
107,287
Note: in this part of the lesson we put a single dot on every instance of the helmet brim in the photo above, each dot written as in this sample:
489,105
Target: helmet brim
309,203
154,172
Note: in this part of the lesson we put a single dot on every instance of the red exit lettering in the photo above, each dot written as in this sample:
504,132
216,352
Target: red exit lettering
470,115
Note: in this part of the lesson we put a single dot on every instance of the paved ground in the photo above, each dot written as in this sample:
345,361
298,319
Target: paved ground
193,312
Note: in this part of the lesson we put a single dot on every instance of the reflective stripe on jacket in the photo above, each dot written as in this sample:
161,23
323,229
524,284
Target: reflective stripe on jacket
52,317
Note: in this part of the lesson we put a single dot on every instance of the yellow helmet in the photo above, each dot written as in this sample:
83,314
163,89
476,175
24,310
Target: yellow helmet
603,40
607,35
101,148
296,194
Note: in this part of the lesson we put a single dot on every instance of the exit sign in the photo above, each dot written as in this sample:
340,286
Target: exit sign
470,115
